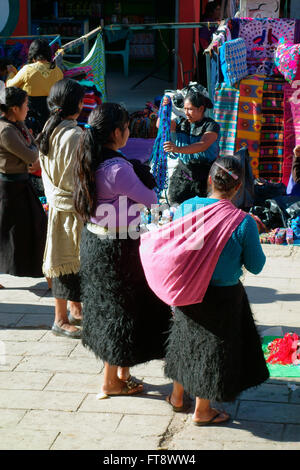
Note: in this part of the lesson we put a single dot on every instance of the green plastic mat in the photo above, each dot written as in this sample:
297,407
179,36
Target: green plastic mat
278,370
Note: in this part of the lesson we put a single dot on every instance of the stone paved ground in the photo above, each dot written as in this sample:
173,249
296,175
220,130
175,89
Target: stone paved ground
48,384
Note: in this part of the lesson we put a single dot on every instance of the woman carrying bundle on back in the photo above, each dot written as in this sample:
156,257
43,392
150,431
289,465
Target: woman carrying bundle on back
124,323
214,351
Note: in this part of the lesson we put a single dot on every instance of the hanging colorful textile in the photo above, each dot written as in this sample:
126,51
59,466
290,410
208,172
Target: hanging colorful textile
262,36
159,158
249,118
96,60
272,130
225,114
289,135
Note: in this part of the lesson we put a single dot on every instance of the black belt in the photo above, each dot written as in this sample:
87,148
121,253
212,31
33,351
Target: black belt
14,177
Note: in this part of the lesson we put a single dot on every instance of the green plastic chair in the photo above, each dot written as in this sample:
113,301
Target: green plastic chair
112,37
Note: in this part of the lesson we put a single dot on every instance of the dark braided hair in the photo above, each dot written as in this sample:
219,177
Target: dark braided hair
63,100
103,121
222,180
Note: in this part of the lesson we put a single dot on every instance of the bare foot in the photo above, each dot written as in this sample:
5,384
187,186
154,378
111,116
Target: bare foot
213,416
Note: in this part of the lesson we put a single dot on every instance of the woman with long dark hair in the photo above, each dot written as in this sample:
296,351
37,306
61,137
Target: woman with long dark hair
214,351
124,323
23,223
36,78
196,146
57,143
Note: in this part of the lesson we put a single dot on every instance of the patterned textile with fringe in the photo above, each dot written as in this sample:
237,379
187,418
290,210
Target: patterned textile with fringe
289,135
272,130
249,118
96,60
225,114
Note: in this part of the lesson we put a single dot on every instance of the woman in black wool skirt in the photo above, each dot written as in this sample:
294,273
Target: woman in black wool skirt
124,323
214,351
23,223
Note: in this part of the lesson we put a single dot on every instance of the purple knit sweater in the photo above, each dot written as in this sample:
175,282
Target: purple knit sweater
120,194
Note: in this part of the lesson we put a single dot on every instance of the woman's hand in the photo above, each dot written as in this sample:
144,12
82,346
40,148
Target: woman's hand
297,151
35,166
170,147
166,100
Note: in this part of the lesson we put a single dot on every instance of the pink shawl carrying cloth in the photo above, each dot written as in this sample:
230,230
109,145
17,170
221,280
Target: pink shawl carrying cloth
180,257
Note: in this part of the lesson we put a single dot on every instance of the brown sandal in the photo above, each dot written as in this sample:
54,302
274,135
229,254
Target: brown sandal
131,387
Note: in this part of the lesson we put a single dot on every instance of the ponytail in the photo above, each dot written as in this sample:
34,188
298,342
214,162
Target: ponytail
102,122
63,101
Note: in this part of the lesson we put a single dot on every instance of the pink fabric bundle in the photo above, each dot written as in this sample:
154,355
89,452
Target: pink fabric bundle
180,257
287,59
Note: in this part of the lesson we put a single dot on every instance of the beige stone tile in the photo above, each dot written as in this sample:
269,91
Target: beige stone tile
16,439
145,425
60,364
61,421
40,400
78,441
138,404
10,418
49,337
23,380
72,382
14,334
9,363
149,369
37,348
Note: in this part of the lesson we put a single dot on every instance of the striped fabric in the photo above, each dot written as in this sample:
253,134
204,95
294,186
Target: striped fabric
225,114
249,118
96,60
289,135
272,130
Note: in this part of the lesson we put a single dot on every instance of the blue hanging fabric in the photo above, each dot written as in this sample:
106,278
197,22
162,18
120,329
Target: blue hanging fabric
159,158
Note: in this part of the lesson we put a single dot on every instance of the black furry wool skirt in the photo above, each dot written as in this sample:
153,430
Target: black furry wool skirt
214,349
23,229
124,323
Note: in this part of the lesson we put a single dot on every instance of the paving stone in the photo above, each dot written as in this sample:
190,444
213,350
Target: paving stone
61,421
269,412
21,334
49,337
9,320
295,394
60,364
30,348
233,431
72,382
267,392
36,321
22,307
138,404
40,400
143,425
79,441
190,443
15,439
150,369
10,418
292,434
23,380
81,351
9,363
